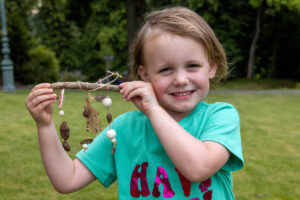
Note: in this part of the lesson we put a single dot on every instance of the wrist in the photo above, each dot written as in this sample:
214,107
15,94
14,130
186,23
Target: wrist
155,111
44,126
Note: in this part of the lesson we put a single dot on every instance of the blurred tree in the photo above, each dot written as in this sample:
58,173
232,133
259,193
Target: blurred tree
82,33
104,34
18,12
278,50
59,34
42,66
135,11
264,9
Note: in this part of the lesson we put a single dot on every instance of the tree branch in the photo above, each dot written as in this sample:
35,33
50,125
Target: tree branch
85,86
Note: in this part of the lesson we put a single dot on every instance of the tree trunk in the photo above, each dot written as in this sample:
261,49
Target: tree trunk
251,60
135,10
274,57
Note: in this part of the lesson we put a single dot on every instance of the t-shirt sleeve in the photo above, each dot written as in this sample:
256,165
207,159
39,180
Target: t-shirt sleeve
99,159
223,126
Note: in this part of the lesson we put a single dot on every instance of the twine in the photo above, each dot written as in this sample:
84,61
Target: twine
100,81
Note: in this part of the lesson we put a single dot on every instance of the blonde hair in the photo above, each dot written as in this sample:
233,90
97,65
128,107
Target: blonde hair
184,22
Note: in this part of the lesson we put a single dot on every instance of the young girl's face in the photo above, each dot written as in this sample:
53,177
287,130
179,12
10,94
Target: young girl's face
179,71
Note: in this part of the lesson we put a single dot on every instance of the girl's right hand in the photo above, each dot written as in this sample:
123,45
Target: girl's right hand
39,103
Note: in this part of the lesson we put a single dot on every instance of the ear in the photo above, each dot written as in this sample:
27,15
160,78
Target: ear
212,70
143,73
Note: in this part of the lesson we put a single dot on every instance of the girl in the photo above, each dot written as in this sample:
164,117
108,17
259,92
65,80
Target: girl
176,146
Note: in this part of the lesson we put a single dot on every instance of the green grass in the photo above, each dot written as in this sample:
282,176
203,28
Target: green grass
270,135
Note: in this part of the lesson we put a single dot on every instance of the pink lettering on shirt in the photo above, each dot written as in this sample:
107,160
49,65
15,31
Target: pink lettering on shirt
207,195
186,184
167,192
204,186
134,189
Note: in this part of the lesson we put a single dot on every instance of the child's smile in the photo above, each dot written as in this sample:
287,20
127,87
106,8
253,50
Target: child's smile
179,71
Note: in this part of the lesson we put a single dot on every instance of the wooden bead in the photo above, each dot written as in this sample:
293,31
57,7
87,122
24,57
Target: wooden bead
86,112
109,117
66,146
64,130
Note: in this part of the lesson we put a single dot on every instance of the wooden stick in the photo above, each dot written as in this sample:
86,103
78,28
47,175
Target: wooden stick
84,86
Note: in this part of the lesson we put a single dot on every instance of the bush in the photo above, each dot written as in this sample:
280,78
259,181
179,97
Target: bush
42,66
72,76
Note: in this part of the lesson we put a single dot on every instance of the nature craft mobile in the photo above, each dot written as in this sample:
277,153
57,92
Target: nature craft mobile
89,112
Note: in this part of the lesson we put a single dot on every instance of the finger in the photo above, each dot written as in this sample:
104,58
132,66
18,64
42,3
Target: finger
38,92
138,92
42,85
129,87
40,107
122,85
37,87
40,99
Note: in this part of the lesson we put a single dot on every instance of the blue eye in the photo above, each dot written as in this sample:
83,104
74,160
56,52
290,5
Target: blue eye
166,69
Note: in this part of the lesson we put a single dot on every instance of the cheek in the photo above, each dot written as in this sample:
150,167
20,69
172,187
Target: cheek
201,81
160,88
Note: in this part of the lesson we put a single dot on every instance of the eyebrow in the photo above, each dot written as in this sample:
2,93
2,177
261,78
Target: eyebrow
193,61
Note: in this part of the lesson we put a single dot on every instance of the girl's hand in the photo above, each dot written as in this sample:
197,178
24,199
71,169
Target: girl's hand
140,93
39,103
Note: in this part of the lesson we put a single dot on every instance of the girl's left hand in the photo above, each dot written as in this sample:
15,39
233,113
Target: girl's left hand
141,94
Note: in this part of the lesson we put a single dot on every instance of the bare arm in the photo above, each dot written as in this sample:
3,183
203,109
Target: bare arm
65,174
195,159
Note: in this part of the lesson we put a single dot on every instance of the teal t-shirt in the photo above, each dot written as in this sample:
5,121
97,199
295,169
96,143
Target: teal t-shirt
144,170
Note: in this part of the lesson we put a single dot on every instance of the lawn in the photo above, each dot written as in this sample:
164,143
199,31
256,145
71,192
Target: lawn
270,126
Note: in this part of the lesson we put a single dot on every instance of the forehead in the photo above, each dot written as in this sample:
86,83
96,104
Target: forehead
160,49
154,33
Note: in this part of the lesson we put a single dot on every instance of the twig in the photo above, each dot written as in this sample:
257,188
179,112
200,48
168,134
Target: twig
85,86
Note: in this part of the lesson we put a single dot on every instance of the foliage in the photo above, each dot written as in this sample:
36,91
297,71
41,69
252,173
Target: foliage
72,76
17,14
81,34
57,33
277,49
105,34
42,66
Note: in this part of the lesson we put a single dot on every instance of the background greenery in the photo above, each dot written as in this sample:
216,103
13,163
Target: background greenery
81,33
270,136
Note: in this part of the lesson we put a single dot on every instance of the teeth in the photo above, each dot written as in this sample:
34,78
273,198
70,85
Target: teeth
182,94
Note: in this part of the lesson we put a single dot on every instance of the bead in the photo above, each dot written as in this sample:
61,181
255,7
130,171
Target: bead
85,146
111,133
61,113
107,102
66,145
64,130
109,117
113,140
86,112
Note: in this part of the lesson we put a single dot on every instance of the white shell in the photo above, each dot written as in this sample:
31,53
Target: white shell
107,102
113,140
111,133
61,113
85,146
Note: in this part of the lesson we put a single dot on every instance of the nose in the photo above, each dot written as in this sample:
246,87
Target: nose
180,79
